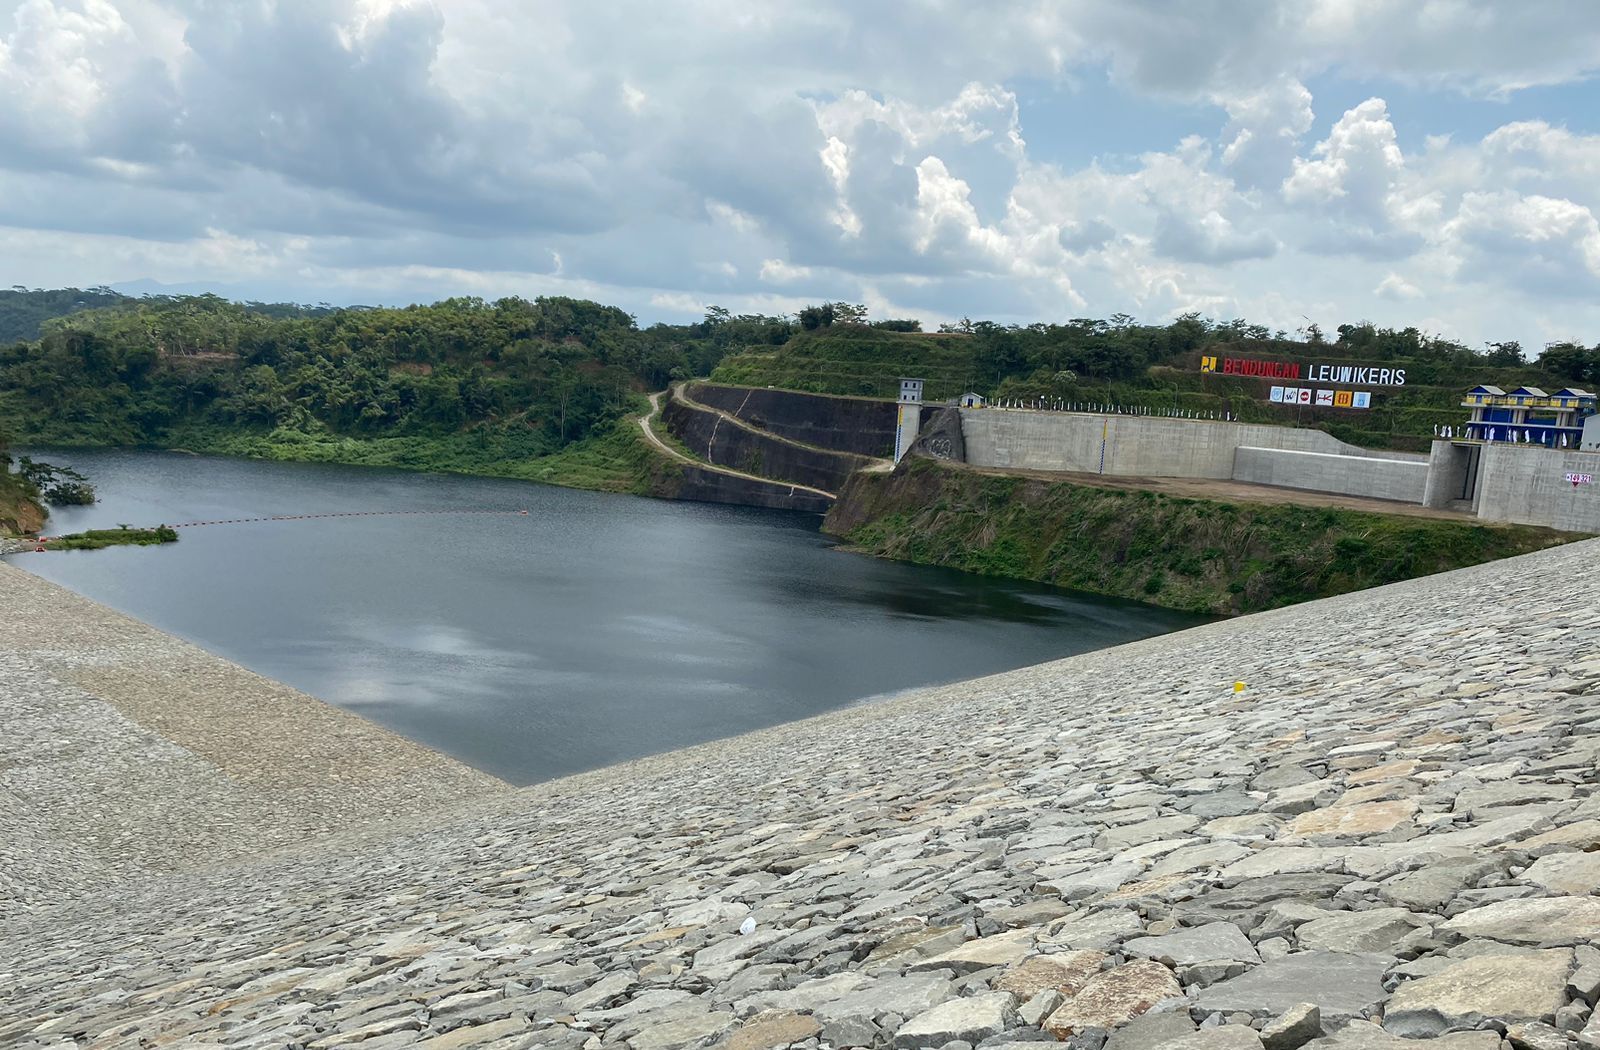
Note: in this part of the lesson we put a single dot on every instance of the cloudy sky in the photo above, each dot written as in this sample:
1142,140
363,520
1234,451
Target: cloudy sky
1427,162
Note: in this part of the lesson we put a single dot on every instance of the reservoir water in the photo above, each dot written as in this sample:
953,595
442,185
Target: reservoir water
597,628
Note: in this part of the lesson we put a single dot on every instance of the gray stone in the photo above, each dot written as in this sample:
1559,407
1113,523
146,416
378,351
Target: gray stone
1589,1036
1213,942
971,1020
1151,1030
906,996
1042,1005
1430,888
1341,986
1534,1035
1100,929
687,1030
1222,1037
1360,1035
1500,988
1542,920
1003,949
1377,930
851,1031
1566,872
1293,1028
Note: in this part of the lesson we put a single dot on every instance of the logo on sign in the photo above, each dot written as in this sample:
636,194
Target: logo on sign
1341,399
1305,393
1208,364
1277,395
1325,397
1362,399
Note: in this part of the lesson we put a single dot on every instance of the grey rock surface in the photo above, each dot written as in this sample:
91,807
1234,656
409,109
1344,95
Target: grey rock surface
191,856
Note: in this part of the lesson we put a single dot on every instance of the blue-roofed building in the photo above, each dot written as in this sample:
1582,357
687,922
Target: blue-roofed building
1528,415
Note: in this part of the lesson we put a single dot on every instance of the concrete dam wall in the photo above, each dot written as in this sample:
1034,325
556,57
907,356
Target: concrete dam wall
858,425
1403,481
726,442
1138,446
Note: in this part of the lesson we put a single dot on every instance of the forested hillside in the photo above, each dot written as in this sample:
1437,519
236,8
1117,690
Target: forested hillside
522,378
503,387
1157,367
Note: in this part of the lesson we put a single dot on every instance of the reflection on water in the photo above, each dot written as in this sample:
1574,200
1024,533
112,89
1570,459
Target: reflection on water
598,628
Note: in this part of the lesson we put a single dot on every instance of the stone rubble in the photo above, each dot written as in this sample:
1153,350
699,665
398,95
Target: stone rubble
1387,836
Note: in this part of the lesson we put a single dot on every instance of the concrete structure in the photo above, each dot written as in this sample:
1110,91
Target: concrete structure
1590,441
1140,446
1402,480
1528,414
1521,483
1524,484
909,420
972,400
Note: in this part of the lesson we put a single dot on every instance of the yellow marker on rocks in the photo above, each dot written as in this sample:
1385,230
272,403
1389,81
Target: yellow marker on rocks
1238,687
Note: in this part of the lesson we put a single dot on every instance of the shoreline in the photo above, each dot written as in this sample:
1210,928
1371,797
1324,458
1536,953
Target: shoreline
138,753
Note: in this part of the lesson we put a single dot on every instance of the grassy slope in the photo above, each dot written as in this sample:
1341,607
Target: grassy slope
1185,554
862,362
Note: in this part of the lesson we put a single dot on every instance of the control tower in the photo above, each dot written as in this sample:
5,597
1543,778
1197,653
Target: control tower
909,420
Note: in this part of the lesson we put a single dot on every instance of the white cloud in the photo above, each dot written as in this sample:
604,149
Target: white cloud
1393,286
777,271
740,150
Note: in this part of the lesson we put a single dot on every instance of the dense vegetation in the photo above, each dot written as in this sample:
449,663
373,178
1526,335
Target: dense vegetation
461,384
23,312
1189,554
125,536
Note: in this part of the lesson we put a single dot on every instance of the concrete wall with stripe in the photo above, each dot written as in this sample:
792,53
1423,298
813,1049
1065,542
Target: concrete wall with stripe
1139,446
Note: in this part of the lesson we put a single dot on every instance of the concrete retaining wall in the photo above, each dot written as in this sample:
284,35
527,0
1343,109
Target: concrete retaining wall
844,424
708,486
1401,480
726,444
1142,446
1524,484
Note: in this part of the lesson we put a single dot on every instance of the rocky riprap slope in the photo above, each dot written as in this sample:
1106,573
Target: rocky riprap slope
1387,835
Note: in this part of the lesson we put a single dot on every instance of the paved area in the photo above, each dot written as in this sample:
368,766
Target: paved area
1390,833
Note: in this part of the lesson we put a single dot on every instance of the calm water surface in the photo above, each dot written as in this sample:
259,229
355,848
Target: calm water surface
598,628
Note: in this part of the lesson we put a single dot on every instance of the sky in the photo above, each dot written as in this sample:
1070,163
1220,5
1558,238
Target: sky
1407,162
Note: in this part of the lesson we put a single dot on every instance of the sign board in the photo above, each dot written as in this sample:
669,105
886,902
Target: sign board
1325,398
1276,397
1304,393
1357,375
1362,399
1578,479
1341,399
